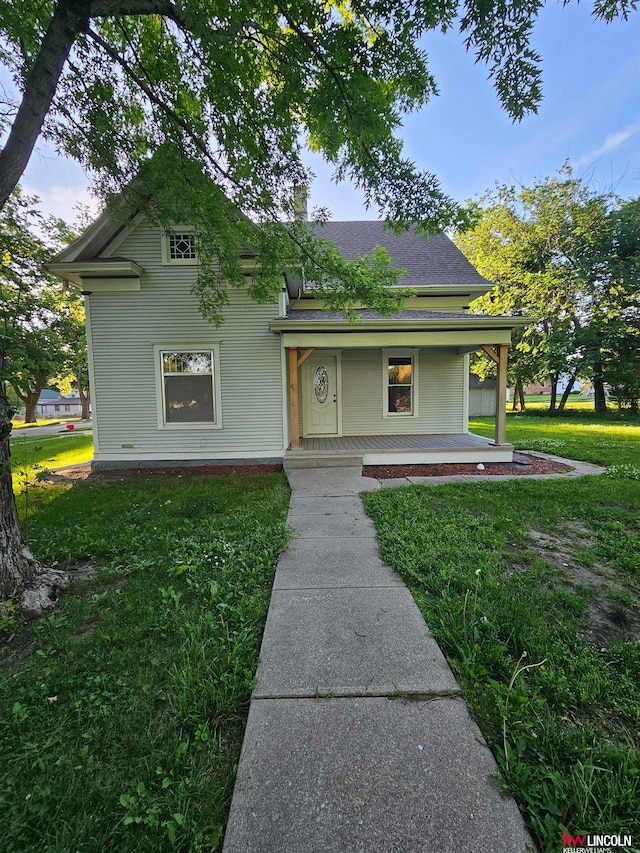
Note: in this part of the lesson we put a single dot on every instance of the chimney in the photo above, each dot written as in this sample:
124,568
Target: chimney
300,202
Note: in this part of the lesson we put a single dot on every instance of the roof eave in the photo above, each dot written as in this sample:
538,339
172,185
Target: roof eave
364,325
75,271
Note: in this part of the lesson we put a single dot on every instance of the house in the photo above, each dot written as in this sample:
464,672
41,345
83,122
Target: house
536,388
53,405
285,380
482,396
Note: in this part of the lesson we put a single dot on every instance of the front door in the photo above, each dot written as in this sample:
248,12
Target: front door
320,397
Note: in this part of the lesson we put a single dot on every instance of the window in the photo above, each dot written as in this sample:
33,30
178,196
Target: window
399,385
57,408
188,387
179,247
67,408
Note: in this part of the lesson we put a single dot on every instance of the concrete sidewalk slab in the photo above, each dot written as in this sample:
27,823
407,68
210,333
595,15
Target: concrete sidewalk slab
348,642
347,505
329,482
334,563
369,775
332,526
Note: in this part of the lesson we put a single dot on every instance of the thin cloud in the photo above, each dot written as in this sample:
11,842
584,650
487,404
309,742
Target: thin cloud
60,201
611,143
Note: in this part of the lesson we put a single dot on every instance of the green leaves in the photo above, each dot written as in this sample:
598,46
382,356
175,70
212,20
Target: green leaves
41,319
570,258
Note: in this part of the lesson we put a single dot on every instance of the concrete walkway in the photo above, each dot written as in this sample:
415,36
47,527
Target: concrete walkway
357,739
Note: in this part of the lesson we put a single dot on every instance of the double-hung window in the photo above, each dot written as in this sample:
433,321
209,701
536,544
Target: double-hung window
399,375
188,386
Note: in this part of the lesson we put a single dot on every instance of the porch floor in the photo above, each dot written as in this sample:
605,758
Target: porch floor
358,450
372,443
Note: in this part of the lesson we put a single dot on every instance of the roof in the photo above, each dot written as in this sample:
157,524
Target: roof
323,321
476,382
431,261
56,398
323,316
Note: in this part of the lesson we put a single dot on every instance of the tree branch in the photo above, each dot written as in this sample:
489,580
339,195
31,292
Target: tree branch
70,18
154,99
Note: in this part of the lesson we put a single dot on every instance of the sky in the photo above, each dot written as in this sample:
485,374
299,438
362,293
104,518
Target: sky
589,115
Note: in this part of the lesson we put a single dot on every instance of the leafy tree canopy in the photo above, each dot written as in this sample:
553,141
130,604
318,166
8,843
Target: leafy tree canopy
569,257
208,106
41,318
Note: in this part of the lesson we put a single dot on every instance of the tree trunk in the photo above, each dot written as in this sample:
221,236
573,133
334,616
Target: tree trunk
518,396
554,391
31,405
30,586
567,391
85,414
599,396
84,395
68,20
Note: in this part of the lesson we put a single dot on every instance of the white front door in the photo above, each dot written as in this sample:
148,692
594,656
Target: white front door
320,396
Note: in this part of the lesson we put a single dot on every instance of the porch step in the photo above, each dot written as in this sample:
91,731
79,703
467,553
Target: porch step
321,460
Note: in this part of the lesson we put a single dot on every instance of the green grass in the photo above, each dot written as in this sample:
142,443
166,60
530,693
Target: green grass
121,727
611,440
566,733
19,424
574,403
30,455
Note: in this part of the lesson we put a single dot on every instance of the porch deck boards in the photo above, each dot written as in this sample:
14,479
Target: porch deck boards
360,443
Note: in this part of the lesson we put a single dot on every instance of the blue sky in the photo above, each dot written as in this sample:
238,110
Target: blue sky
590,115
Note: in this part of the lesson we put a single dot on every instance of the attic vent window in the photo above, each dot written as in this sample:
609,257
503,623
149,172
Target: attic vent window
182,247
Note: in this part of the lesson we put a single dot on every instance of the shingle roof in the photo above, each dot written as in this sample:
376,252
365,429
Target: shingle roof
476,382
366,314
432,261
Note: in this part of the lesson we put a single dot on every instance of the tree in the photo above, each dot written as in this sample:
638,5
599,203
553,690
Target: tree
568,257
239,85
39,318
611,261
198,111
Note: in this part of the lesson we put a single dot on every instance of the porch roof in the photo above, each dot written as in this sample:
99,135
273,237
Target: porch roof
411,319
304,328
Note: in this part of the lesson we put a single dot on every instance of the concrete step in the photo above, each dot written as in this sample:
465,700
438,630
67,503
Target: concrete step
322,460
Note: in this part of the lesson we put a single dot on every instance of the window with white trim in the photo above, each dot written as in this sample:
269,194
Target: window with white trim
188,386
399,385
180,247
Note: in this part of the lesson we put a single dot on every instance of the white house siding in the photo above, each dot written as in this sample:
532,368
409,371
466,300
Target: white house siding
440,377
125,327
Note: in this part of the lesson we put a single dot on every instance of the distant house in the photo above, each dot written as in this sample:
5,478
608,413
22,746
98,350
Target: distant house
52,404
535,388
285,380
482,396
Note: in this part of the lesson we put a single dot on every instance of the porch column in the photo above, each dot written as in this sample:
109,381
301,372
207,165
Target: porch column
501,394
294,415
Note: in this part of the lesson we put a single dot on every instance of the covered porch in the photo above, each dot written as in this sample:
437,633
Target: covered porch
397,450
419,417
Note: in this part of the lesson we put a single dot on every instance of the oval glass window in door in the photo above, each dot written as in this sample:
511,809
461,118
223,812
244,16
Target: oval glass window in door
321,383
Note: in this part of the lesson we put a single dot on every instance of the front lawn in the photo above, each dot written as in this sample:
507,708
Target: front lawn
33,455
610,440
532,590
122,713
